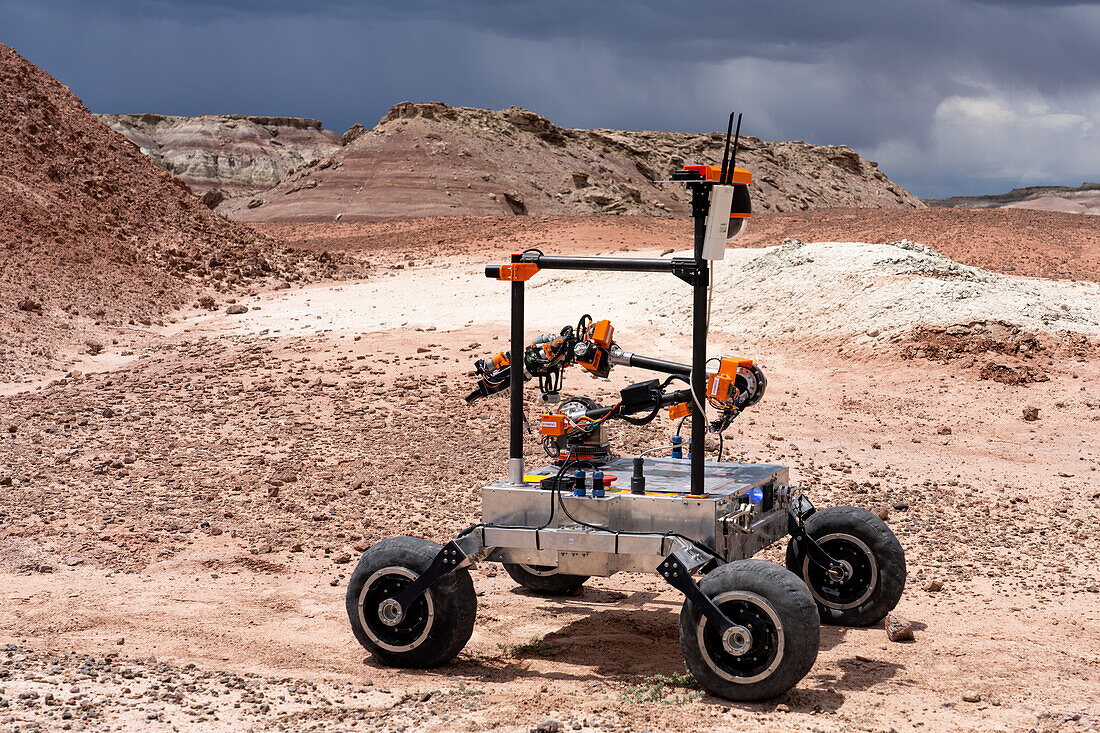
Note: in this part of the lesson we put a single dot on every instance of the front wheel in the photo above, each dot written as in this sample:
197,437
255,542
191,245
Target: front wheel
871,577
433,629
544,578
773,643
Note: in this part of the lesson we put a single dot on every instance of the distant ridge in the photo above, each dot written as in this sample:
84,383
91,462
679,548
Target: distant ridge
1083,199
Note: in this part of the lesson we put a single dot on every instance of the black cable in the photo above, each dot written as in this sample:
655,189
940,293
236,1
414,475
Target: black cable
555,490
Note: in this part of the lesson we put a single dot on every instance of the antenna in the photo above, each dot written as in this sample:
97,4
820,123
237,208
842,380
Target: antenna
736,140
726,153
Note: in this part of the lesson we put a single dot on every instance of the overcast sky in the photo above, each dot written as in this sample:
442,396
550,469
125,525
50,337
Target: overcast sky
949,96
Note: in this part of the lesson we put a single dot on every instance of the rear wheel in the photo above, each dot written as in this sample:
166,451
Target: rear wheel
544,578
435,626
774,641
871,577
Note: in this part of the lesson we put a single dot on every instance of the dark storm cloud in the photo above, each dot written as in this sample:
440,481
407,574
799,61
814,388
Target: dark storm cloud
889,78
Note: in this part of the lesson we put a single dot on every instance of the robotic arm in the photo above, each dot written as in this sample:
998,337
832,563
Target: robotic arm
734,385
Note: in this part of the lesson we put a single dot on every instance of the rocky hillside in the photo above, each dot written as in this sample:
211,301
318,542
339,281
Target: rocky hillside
434,159
91,230
1084,199
239,154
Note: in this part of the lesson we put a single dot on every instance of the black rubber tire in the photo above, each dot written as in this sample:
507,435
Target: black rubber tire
452,600
551,585
788,649
886,574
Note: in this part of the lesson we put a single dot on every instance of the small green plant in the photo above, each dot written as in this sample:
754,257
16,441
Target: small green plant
462,689
537,645
657,688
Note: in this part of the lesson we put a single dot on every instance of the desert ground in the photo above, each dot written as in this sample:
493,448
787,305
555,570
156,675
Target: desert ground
180,511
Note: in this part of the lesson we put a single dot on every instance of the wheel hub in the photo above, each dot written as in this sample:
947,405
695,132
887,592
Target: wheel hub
390,612
840,572
737,640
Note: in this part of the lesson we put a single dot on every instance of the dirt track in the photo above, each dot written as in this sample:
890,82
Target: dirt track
204,503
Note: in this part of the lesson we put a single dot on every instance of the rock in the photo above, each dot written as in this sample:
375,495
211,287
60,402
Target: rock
213,197
901,506
934,586
45,568
263,548
5,481
255,203
971,696
548,726
1031,414
73,561
944,430
515,201
882,512
273,491
120,640
343,559
353,133
236,310
898,629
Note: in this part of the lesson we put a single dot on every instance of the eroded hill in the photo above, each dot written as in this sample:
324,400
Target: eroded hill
433,159
239,154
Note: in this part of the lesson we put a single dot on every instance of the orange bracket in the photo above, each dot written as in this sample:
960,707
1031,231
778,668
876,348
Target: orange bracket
517,271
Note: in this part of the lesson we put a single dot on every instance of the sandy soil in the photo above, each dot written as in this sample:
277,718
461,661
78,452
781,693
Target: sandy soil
176,529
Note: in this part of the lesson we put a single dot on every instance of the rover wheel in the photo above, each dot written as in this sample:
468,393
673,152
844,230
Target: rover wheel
775,640
872,578
544,578
436,625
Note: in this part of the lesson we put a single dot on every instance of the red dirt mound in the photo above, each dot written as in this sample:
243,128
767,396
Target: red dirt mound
91,227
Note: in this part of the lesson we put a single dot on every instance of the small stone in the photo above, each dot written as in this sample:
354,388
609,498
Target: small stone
44,568
120,640
898,628
263,548
944,430
1031,414
782,708
934,586
882,512
216,531
972,696
548,726
236,310
343,559
901,506
73,561
108,412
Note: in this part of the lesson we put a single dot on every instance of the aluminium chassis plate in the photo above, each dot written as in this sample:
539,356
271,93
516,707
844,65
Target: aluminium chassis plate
631,532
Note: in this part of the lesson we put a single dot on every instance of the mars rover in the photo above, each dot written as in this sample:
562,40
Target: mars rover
749,629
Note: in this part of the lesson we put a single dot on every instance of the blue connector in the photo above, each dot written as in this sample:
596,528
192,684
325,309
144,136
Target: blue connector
677,449
597,484
578,482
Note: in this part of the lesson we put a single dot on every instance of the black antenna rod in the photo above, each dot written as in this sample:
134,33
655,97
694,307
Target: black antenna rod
726,153
736,140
